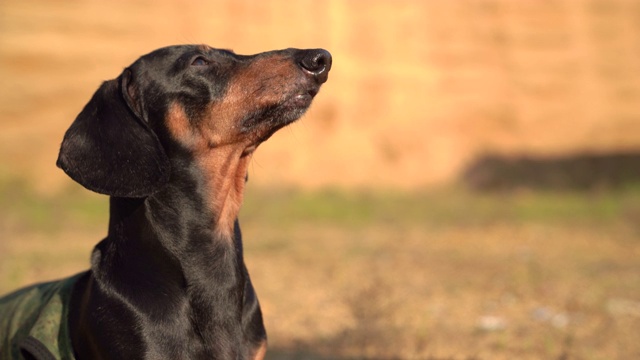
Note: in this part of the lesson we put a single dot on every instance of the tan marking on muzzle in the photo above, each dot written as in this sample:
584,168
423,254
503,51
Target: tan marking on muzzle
263,83
217,142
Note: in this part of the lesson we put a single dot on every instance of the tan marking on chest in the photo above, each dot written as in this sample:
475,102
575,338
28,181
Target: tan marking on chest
261,351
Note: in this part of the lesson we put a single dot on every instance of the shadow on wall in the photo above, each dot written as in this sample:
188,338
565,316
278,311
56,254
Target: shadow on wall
582,172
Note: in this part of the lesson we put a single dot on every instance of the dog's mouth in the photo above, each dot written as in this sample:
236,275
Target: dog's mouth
301,100
262,124
313,67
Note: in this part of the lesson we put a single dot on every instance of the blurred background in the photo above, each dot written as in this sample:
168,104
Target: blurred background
465,186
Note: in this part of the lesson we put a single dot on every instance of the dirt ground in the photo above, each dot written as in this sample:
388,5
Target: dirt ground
448,275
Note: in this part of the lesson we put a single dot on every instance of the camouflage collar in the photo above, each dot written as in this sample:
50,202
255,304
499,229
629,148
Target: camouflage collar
33,321
48,338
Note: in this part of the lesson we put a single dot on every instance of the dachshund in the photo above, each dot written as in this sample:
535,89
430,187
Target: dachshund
169,140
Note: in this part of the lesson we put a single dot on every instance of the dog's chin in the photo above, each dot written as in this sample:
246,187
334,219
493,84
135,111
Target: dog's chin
302,100
273,118
291,110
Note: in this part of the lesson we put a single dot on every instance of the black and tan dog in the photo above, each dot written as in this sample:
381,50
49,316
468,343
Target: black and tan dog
169,140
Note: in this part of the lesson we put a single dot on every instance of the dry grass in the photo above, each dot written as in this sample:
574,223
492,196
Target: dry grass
456,276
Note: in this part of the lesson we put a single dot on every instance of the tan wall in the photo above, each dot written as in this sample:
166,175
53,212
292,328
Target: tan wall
418,89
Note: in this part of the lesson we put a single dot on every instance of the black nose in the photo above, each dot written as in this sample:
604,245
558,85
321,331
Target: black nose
316,62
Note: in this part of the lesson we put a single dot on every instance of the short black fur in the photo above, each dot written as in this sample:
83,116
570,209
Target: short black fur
164,283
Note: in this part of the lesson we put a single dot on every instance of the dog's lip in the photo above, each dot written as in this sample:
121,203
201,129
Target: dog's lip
290,109
304,98
249,149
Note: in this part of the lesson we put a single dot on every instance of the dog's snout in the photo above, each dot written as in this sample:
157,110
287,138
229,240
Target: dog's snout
316,62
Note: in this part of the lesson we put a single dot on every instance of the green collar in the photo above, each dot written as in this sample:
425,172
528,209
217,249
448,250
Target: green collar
35,321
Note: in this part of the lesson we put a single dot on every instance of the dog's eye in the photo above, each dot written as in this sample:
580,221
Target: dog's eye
199,61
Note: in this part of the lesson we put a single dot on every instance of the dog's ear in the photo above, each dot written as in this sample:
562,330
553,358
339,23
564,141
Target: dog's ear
110,149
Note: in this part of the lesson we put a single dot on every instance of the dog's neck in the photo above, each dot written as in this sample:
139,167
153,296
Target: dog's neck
224,173
191,242
195,215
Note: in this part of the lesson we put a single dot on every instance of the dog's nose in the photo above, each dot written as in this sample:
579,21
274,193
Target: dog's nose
316,62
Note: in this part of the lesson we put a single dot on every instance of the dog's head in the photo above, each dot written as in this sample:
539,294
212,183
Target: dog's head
191,97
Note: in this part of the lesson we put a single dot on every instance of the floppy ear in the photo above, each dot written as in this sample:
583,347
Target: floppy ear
109,149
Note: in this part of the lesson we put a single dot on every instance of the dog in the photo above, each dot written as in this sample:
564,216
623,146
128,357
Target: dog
169,140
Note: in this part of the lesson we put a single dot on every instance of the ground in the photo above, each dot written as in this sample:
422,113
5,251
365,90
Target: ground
431,275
